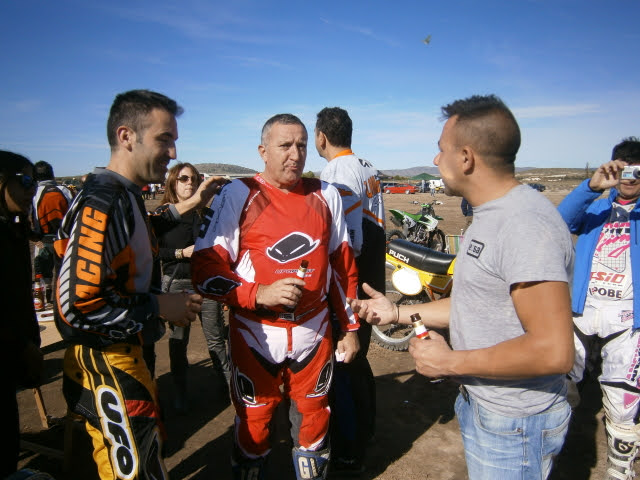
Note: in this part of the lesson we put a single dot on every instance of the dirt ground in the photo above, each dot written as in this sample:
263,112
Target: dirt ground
417,433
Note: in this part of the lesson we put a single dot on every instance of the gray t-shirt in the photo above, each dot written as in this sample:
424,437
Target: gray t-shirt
519,237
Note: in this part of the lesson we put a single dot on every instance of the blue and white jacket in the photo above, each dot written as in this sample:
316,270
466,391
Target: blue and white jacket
585,217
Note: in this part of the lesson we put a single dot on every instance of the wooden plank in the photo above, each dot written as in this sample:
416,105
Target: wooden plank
42,409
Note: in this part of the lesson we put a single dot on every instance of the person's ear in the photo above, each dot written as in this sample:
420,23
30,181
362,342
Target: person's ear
126,137
263,152
468,159
321,140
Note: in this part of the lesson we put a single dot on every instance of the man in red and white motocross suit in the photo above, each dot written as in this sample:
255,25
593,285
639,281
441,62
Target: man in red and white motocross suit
247,257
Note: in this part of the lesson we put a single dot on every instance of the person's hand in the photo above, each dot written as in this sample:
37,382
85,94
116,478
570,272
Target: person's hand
377,310
181,308
187,252
607,175
286,292
431,356
208,188
348,345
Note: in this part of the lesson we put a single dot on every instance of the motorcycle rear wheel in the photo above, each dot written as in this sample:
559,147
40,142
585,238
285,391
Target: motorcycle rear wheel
437,241
393,234
396,337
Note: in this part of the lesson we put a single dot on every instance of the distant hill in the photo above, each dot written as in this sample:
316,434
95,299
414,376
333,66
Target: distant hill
521,172
223,168
415,171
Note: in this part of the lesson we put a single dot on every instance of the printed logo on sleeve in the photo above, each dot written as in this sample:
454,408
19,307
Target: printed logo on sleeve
218,285
475,248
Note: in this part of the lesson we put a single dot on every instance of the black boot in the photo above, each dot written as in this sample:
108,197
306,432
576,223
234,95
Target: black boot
179,363
222,373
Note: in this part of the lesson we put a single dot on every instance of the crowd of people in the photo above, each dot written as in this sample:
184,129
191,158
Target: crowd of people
299,262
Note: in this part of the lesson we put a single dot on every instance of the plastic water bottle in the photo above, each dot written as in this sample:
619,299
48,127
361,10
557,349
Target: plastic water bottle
39,292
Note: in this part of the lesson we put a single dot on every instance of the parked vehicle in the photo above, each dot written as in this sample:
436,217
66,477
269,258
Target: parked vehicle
419,275
538,186
421,227
400,188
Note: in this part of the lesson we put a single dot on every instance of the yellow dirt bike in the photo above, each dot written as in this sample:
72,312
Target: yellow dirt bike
419,275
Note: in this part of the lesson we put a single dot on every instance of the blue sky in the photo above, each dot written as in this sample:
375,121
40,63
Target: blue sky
568,69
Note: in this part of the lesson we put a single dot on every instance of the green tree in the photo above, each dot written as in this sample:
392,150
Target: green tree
309,174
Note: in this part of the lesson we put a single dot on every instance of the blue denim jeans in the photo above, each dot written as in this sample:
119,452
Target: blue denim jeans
511,448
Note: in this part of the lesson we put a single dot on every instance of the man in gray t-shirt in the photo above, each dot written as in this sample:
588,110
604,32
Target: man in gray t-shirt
509,312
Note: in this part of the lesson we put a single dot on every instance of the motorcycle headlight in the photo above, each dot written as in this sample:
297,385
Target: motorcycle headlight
406,281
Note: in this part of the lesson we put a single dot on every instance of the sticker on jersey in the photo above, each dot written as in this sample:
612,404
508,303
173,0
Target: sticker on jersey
475,248
324,381
218,285
626,316
116,429
295,245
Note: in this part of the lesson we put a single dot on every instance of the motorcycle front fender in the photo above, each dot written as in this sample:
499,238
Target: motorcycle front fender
397,214
429,223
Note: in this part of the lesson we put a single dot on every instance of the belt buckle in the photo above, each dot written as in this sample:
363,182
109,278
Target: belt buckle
287,316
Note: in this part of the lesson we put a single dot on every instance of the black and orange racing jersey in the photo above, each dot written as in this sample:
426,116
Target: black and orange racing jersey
106,277
50,204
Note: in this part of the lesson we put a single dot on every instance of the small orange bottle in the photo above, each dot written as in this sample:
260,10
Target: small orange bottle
418,327
39,290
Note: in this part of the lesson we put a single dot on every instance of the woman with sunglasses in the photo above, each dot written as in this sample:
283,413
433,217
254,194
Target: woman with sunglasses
20,352
176,247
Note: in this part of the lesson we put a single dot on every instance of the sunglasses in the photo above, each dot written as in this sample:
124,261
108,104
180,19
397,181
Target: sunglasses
27,181
185,179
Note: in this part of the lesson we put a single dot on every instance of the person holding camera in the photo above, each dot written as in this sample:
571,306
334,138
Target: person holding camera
604,305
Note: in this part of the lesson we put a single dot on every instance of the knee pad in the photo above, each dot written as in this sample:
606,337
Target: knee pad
616,408
627,433
310,465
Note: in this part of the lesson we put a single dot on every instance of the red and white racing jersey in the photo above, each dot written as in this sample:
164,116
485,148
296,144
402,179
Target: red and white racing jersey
257,234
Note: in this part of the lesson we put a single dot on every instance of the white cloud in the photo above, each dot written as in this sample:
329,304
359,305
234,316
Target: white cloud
260,62
547,111
27,105
364,31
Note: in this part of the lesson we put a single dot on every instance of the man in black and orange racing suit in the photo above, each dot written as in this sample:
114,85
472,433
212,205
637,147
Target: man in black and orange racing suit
50,204
105,307
247,257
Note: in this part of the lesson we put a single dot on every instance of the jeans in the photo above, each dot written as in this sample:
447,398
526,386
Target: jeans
511,448
212,321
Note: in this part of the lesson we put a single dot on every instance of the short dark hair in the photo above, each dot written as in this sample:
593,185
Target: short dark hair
628,150
282,118
336,124
131,109
42,171
488,125
10,164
